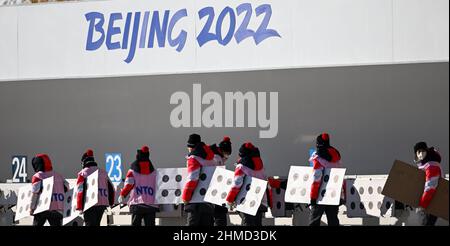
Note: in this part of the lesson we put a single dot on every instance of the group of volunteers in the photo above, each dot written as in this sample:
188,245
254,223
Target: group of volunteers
202,155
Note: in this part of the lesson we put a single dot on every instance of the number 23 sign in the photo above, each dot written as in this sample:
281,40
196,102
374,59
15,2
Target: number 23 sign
114,167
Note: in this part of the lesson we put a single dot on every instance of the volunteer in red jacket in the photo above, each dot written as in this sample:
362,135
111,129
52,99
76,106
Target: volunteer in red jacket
200,155
249,164
221,154
140,185
93,216
428,160
42,165
325,156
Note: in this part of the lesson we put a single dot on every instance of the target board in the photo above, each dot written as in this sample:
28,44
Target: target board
278,205
364,198
70,206
220,185
251,195
24,199
91,197
301,178
169,185
206,174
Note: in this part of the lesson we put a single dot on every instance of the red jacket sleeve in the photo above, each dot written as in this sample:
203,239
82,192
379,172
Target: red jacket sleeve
239,176
80,192
317,173
129,184
193,168
432,175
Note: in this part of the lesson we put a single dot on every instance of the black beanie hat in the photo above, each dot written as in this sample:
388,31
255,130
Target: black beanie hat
323,140
246,149
41,162
225,145
420,145
87,157
193,140
143,153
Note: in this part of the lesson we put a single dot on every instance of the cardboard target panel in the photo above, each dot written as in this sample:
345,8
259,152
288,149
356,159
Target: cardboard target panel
364,198
249,198
169,185
91,196
405,184
24,199
203,184
301,178
331,188
278,205
23,202
70,206
298,188
45,197
221,183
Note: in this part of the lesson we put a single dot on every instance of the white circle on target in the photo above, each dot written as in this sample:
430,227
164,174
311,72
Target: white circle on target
336,178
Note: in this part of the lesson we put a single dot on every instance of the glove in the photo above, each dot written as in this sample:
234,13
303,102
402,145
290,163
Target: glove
313,202
120,199
231,206
31,211
185,202
420,210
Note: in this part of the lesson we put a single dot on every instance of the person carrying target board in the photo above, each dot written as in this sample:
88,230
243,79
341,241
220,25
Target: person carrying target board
93,215
249,164
325,156
221,153
43,167
200,154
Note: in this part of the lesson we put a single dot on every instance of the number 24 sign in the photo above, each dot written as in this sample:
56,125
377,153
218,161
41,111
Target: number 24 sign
19,169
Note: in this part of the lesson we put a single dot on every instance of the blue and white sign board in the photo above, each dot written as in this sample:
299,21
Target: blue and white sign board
251,196
114,167
301,178
169,185
91,196
19,169
311,153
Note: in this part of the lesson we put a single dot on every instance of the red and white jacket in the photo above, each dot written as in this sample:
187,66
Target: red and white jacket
433,172
202,156
60,186
105,186
44,169
319,165
239,175
140,185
